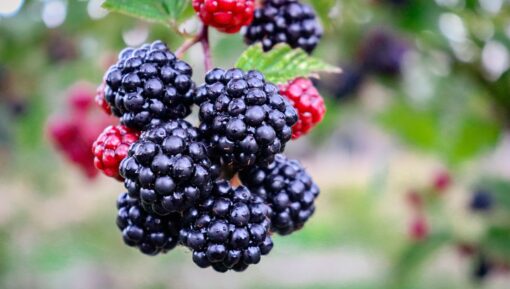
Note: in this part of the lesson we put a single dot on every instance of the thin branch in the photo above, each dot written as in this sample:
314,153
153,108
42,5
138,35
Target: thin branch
187,45
204,39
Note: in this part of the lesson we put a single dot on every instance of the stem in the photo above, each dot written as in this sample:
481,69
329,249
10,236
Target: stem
203,38
186,46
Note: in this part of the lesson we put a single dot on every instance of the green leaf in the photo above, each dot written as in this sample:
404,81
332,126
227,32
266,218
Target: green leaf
163,11
414,257
323,9
496,242
282,63
456,124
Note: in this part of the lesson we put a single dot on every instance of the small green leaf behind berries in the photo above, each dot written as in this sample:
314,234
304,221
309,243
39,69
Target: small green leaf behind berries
282,63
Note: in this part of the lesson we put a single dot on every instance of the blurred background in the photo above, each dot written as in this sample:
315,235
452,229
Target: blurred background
413,158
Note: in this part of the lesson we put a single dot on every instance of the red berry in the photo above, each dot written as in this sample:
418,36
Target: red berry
415,200
80,97
99,99
69,140
307,101
419,228
111,147
225,15
442,181
74,135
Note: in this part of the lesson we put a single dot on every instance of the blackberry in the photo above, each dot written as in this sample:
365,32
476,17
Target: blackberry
342,86
284,21
288,189
482,268
482,201
168,168
149,85
150,233
243,118
228,230
383,52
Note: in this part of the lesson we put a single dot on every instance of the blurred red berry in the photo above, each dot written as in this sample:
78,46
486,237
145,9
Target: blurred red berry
415,200
111,147
67,137
308,103
74,135
442,181
466,250
80,97
419,228
227,16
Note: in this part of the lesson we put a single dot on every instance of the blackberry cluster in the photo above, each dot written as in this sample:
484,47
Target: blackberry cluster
171,169
149,85
151,233
288,189
228,230
168,168
284,21
243,118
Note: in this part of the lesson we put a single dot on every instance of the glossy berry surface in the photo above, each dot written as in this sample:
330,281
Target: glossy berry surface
288,189
229,230
149,85
150,233
284,21
111,147
308,103
243,118
168,168
227,16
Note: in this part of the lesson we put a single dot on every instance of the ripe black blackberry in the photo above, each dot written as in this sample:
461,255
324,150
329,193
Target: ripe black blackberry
149,85
244,118
229,230
168,168
150,233
288,189
284,21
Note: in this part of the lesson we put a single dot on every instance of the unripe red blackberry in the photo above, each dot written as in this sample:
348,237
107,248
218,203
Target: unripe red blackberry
225,15
288,189
149,85
168,168
229,230
111,147
284,21
243,118
100,100
150,233
308,103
